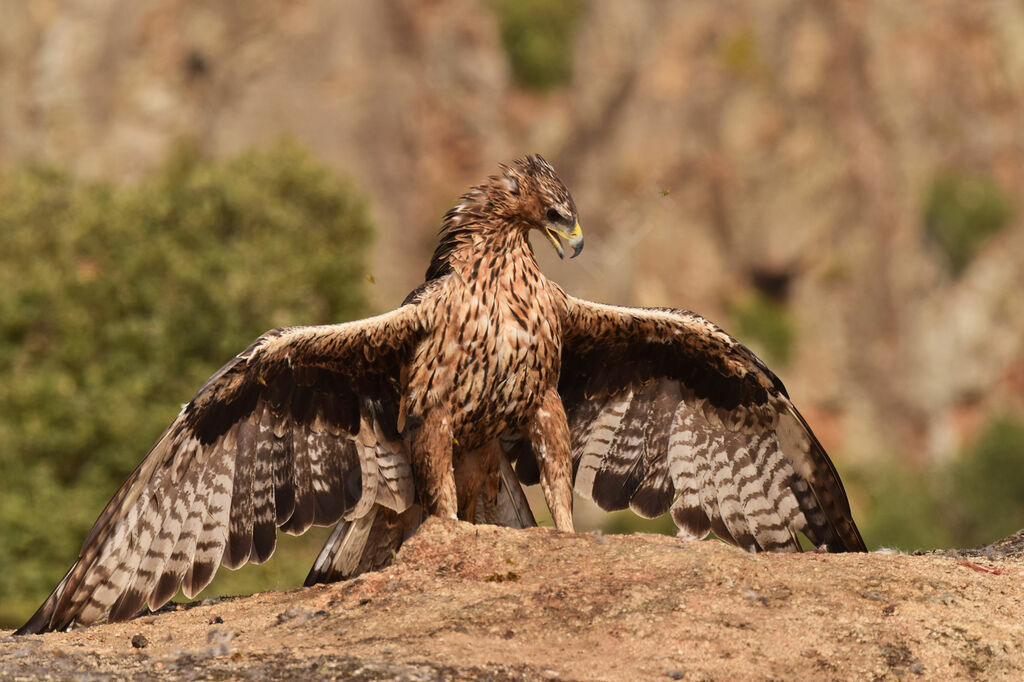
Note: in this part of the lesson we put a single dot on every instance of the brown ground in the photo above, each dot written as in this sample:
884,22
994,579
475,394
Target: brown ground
476,602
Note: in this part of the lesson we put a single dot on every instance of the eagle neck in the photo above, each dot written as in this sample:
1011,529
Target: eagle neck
479,230
494,250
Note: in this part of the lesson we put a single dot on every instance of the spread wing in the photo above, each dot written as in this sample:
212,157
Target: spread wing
667,411
298,429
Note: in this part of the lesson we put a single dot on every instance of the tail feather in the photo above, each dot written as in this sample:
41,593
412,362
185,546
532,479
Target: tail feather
511,508
364,544
371,541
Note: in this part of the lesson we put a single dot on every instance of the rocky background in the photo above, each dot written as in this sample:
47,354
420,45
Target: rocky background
838,184
725,156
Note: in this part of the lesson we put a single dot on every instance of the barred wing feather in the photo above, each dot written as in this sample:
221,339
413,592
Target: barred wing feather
297,430
669,413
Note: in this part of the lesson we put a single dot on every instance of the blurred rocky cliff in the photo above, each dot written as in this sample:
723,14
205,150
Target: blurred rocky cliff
839,184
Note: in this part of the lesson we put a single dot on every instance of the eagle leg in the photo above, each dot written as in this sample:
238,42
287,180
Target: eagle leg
430,447
549,435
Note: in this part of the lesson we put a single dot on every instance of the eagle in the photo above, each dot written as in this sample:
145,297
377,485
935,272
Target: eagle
487,378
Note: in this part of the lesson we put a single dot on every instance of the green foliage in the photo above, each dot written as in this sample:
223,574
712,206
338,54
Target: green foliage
740,53
765,324
974,499
900,507
985,485
961,212
115,306
538,37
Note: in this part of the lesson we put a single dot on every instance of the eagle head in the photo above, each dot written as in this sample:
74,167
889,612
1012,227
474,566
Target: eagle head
527,195
530,195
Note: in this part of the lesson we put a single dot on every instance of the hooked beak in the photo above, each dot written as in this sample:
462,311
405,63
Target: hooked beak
574,239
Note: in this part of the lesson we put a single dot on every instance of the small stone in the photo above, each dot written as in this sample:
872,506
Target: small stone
675,674
140,642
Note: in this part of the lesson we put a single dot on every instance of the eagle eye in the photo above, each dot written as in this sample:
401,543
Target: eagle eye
555,216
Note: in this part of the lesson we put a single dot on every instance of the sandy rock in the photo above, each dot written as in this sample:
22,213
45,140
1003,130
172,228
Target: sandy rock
582,607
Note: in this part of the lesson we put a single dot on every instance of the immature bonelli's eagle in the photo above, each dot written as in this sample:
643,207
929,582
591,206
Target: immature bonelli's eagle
425,409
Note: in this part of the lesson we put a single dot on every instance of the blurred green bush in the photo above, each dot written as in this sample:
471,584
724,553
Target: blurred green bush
974,498
961,212
898,508
765,325
983,488
117,303
740,54
539,39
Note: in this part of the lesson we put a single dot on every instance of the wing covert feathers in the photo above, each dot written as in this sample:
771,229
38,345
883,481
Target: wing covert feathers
668,412
281,436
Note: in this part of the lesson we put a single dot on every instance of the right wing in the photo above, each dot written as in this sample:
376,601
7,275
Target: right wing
668,412
298,429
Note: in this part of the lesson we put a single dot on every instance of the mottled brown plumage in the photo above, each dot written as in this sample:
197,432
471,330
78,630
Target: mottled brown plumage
424,410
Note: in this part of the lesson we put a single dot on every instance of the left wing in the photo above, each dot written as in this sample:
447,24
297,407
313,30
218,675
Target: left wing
298,429
666,410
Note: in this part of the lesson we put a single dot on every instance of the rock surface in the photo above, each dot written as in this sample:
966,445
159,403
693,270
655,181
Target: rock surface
478,602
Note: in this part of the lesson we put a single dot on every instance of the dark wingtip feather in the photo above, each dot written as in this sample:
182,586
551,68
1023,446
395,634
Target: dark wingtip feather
237,550
840,533
264,541
303,516
198,577
692,520
613,489
718,528
165,588
653,498
126,606
41,620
